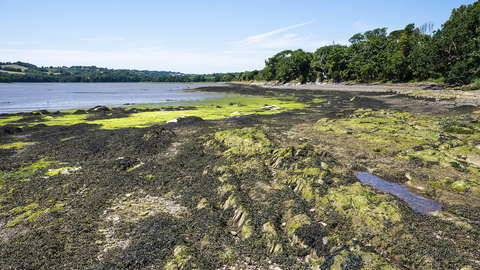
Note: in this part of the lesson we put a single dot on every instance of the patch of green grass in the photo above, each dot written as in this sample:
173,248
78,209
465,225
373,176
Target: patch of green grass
22,68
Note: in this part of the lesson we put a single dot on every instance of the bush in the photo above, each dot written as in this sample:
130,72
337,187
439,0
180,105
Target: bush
12,69
474,86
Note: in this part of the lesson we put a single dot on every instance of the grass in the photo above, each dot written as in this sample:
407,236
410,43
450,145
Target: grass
15,66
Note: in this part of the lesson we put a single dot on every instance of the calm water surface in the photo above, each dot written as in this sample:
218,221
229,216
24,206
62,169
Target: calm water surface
416,202
27,97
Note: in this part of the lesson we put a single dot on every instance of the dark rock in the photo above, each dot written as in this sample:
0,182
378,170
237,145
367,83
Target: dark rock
432,163
186,119
99,109
455,165
355,166
417,161
80,112
125,163
464,210
327,180
10,129
292,185
418,148
301,153
312,235
41,112
361,156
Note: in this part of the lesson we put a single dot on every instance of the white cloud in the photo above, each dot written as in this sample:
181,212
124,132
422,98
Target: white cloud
264,40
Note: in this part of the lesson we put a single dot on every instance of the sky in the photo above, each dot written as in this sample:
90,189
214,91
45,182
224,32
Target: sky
199,37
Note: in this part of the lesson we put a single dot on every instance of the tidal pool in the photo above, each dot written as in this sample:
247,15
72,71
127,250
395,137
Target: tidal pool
416,202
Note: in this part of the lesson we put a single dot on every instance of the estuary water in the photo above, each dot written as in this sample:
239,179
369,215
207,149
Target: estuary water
28,97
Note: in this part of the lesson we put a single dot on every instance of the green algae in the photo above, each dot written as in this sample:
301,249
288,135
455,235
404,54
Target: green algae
26,170
15,145
246,141
439,147
299,165
206,109
418,93
4,120
184,258
63,170
457,126
364,206
28,214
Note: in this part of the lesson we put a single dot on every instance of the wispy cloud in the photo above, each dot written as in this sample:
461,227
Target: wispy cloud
364,25
103,39
249,52
360,25
287,40
264,40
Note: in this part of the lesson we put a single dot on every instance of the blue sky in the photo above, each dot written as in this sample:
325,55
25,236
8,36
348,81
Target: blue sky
194,36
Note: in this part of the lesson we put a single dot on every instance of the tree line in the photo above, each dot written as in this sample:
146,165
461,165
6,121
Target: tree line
77,74
450,55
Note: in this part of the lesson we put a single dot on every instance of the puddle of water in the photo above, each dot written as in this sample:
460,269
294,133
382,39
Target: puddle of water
416,202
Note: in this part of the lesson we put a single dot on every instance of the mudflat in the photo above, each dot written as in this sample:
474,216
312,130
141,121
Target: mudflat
241,185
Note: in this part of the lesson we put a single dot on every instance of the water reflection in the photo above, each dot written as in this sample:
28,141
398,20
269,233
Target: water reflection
416,202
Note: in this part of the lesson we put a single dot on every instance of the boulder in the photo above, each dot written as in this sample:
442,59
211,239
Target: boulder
99,109
186,119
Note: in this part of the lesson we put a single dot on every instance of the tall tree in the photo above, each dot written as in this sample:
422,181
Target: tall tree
457,45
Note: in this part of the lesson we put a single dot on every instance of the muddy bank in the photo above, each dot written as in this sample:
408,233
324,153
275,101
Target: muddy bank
247,192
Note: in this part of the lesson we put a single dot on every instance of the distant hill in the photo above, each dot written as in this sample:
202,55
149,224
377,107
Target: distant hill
156,74
26,72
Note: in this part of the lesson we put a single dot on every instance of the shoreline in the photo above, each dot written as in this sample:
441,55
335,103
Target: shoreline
273,190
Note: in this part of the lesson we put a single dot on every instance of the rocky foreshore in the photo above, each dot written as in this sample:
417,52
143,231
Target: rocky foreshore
263,189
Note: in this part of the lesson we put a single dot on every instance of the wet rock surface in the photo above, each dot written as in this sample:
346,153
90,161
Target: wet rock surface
251,192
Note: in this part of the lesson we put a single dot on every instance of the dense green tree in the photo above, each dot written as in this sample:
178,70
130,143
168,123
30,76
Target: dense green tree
289,66
456,46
